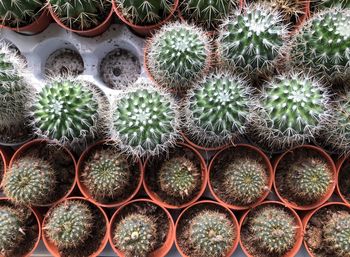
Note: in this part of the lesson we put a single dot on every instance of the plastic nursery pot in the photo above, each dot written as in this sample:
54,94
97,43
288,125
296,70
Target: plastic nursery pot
35,222
206,149
53,249
152,166
126,209
147,29
343,179
198,206
238,148
137,183
64,156
319,152
299,234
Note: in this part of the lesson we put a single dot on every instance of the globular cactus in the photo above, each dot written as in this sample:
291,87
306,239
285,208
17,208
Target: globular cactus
217,109
244,180
69,224
30,181
322,4
106,173
179,176
145,119
211,233
136,235
178,55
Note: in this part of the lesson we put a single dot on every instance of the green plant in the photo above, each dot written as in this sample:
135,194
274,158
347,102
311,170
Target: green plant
322,4
69,224
178,55
136,235
217,109
30,180
145,120
211,233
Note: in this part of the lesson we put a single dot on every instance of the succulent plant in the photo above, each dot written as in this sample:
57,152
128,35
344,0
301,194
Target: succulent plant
321,4
178,55
145,120
179,176
69,224
211,233
30,181
136,235
216,110
106,173
81,14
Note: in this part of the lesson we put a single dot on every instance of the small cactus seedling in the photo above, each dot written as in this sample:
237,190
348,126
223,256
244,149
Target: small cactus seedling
322,4
136,235
69,224
178,55
211,233
179,176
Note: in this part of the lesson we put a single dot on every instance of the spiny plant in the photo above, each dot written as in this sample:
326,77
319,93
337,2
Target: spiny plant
69,224
217,109
322,4
29,181
145,119
106,173
136,235
178,55
179,176
211,233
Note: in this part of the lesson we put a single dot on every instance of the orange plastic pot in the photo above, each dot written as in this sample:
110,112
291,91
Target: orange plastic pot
340,165
3,159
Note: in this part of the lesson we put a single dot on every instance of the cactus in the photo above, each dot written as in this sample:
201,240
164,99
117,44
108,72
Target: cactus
146,120
136,235
322,4
19,13
211,233
69,224
217,109
178,55
145,12
81,14
244,180
291,10
30,181
179,176
106,173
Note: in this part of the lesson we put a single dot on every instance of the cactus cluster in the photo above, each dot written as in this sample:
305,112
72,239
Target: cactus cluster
136,235
178,55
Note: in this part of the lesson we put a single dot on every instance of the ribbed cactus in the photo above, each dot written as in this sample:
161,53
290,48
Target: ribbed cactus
178,55
179,176
136,235
321,4
106,173
69,224
30,180
211,233
217,109
146,120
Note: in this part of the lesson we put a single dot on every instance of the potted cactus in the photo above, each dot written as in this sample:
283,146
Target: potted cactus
75,227
343,179
176,179
271,229
141,228
240,176
206,228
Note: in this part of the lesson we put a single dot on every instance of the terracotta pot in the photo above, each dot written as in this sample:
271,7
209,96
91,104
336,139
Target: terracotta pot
330,191
35,144
86,192
299,237
236,148
160,252
214,205
206,149
148,29
340,165
86,33
204,174
53,248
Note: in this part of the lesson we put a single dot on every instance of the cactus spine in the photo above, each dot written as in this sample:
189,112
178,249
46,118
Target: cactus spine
322,4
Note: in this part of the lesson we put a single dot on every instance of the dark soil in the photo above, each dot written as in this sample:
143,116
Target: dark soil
344,180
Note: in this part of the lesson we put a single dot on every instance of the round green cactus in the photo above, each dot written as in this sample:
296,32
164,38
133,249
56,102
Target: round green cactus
178,55
146,120
179,176
136,235
69,224
322,4
211,233
11,231
217,109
